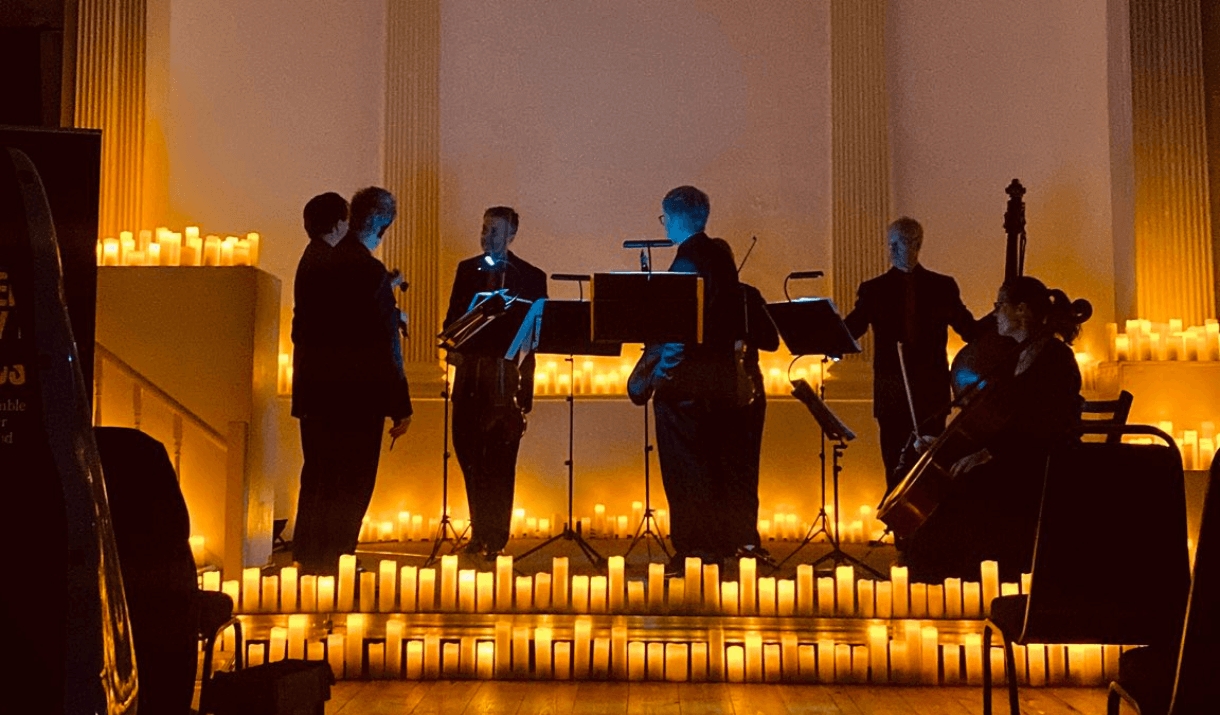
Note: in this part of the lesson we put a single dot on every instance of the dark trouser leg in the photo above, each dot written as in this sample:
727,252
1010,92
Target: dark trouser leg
503,438
741,485
690,474
895,433
314,441
164,629
468,446
351,457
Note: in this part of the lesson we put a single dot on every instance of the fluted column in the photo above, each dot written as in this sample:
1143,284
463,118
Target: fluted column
111,38
860,154
1174,272
412,169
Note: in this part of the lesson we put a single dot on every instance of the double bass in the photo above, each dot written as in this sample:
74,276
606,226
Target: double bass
976,389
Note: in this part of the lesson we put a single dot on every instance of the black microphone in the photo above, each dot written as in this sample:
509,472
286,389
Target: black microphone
648,243
805,274
571,277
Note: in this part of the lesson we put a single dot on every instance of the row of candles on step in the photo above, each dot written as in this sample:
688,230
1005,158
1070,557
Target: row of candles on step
906,651
164,247
1145,340
699,590
1198,446
781,526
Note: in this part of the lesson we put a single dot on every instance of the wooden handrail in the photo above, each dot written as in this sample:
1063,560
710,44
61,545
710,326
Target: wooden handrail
174,405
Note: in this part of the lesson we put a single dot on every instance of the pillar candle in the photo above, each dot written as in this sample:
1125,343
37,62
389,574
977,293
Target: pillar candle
504,583
387,573
991,584
353,658
953,598
582,642
843,663
559,583
375,657
1018,656
754,657
297,625
250,590
859,663
408,586
936,600
711,588
466,580
974,659
601,655
786,593
918,607
878,640
656,661
335,650
865,605
368,592
728,598
898,577
618,651
531,526
930,656
394,630
347,583
636,660
450,660
326,594
747,570
715,654
845,590
521,652
789,657
226,250
766,596
636,602
485,655
1056,664
970,599
580,594
599,519
885,599
504,648
1037,664
826,596
542,591
561,661
952,656
153,255
677,594
807,663
999,671
597,594
656,588
449,569
676,658
415,660
432,656
110,252
543,635
693,586
485,592
900,664
211,251
913,636
315,651
615,583
525,594
735,658
271,594
309,593
468,663
427,590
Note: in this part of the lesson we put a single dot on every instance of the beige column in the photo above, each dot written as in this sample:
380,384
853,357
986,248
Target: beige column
1173,244
111,36
860,153
412,173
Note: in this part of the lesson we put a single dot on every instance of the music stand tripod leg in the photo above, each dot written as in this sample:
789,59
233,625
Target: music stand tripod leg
644,530
445,528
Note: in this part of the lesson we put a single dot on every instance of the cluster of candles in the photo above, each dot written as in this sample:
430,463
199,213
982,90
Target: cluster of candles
164,247
781,526
381,639
1198,446
1145,340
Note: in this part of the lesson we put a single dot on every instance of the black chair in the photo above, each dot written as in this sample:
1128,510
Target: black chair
1133,591
216,616
1182,680
1106,413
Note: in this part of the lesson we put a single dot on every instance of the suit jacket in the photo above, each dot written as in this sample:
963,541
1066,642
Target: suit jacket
483,373
348,355
708,369
882,302
309,305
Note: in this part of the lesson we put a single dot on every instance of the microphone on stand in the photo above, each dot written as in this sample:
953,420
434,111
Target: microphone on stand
645,266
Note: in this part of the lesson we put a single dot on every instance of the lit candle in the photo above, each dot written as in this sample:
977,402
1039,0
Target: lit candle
953,598
432,656
211,581
315,651
544,528
936,600
335,650
562,660
735,664
415,660
804,589
597,594
656,588
354,642
347,582
991,584
542,591
582,632
1056,664
715,654
504,648
525,594
656,661
636,602
677,594
900,662
252,243
486,656
913,636
843,663
504,583
826,596
952,656
466,581
728,598
919,600
226,250
580,594
747,570
807,663
636,661
898,577
256,654
786,590
297,624
711,588
601,658
789,657
249,590
449,568
521,651
878,639
676,655
930,670
110,252
624,529
387,573
153,255
559,583
845,590
542,652
864,597
1036,654
394,629
326,594
999,673
974,658
271,591
970,599
615,567
693,586
417,525
754,657
408,585
211,251
618,651
766,596
599,519
368,592
531,526
427,589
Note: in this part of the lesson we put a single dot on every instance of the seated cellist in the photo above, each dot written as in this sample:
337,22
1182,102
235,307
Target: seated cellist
991,512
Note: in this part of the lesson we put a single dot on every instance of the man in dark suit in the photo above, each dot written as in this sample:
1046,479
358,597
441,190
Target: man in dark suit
348,379
914,307
696,389
491,395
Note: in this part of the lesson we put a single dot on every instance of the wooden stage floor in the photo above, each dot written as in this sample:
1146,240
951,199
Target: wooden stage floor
587,698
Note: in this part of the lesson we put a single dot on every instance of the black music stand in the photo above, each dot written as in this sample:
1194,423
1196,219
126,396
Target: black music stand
812,326
625,309
470,331
561,327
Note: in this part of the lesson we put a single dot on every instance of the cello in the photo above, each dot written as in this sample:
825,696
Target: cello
983,398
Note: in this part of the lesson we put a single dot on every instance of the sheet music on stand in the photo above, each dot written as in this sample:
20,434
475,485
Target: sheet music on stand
831,425
489,326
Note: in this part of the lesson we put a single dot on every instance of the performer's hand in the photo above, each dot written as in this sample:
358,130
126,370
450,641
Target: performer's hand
396,278
922,443
400,427
969,462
